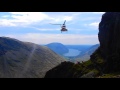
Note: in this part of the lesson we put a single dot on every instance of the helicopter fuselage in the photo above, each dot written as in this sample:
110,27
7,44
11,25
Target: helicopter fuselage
63,28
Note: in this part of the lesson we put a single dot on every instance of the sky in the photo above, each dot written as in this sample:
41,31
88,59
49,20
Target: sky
35,27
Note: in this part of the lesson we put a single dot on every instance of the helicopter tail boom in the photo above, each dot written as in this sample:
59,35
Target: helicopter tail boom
64,22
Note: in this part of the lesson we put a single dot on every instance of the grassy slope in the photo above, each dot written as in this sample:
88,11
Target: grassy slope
22,59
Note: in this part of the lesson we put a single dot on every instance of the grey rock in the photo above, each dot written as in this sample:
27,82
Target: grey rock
109,37
88,75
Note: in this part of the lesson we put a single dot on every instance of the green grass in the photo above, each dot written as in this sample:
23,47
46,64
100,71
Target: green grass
87,63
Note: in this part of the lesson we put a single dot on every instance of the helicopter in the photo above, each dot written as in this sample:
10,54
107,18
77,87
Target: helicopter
63,26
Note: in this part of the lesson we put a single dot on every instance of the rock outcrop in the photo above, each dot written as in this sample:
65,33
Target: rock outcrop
109,37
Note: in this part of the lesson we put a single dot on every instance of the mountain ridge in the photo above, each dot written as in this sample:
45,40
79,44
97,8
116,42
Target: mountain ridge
25,59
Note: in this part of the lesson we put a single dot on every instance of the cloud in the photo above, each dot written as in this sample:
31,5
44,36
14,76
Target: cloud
22,18
92,26
4,22
60,19
31,18
27,18
5,16
62,38
98,12
46,29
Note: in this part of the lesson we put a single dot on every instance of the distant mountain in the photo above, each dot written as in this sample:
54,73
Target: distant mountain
81,48
90,50
86,54
76,50
58,48
25,60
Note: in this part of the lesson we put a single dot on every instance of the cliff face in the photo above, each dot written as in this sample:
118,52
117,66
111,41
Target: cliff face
109,31
109,37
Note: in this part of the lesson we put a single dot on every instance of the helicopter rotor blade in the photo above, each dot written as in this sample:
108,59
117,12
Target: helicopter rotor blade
55,24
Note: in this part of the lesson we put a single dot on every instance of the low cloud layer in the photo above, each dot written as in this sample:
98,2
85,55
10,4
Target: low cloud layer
62,38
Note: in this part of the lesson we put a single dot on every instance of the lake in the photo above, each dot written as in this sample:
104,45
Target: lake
72,52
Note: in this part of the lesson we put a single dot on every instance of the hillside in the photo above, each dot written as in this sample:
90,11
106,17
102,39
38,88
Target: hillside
58,48
72,70
25,60
85,55
105,61
81,48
